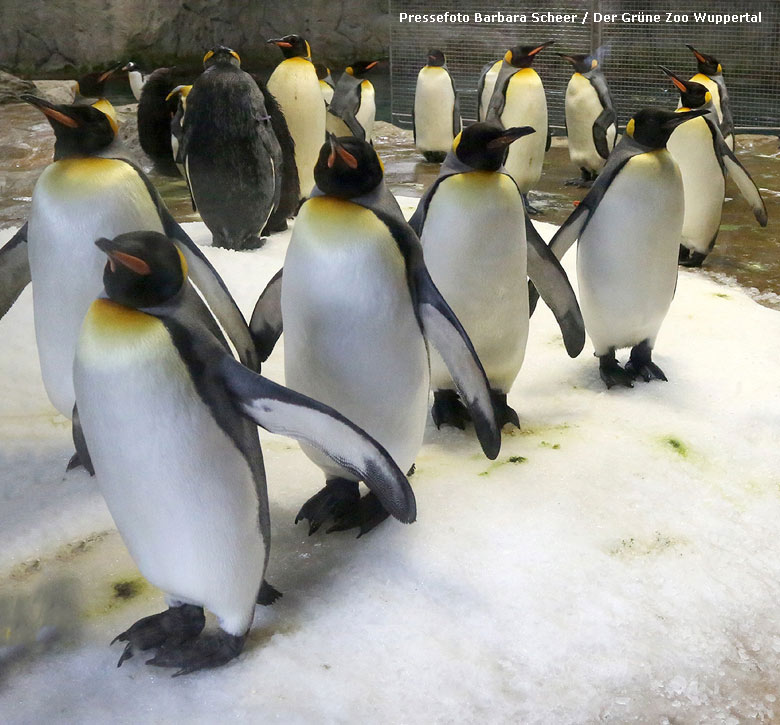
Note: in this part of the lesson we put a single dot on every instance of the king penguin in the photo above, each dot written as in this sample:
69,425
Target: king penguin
232,157
591,121
169,418
156,109
86,193
518,100
629,227
710,75
93,85
472,228
704,159
486,85
327,85
295,86
358,307
179,94
353,107
436,111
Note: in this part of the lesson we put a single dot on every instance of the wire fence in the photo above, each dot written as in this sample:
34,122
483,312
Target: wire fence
748,51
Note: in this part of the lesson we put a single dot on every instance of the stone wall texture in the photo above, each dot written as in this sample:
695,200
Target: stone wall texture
47,36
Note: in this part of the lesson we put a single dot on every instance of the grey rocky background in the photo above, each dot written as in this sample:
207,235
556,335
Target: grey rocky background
48,37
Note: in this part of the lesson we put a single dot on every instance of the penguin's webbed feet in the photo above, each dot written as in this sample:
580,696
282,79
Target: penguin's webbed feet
336,500
449,410
171,628
693,259
612,374
209,650
504,413
583,182
640,364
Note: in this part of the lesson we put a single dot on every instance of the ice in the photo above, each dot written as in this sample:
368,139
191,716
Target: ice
620,561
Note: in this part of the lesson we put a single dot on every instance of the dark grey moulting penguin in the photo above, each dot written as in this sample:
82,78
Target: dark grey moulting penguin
591,121
436,111
704,159
232,158
710,75
169,417
353,107
156,109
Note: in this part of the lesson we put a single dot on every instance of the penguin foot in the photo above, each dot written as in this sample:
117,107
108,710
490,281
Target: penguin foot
268,594
694,259
172,627
612,374
274,225
252,243
504,413
683,254
640,364
365,515
209,650
336,500
434,157
448,410
579,182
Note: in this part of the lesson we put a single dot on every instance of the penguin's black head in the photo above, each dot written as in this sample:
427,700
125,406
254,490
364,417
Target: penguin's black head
144,269
436,58
692,94
582,63
130,66
708,64
347,167
484,146
652,127
292,46
522,56
322,71
79,130
221,55
92,85
361,67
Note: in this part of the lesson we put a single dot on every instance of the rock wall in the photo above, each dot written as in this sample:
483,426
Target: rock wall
47,36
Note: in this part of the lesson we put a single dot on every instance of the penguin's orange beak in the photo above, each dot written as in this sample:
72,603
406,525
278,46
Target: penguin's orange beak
50,110
541,47
336,149
281,43
135,264
681,85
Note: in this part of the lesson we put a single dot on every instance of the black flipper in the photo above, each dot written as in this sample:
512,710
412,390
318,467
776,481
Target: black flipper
285,412
14,269
550,279
266,323
456,122
605,119
81,457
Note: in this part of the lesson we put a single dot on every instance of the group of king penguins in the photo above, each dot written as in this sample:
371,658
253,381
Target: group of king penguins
142,346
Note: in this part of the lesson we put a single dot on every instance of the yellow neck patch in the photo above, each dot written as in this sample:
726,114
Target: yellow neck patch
630,128
105,107
109,319
456,141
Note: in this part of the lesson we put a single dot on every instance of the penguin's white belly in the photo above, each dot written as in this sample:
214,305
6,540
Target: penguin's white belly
526,105
75,202
351,335
366,113
627,254
475,250
136,83
583,107
434,99
691,147
181,494
487,89
295,85
327,92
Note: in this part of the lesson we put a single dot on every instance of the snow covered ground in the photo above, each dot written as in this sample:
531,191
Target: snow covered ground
620,561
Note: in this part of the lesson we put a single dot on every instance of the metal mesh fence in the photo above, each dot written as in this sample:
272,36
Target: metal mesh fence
749,53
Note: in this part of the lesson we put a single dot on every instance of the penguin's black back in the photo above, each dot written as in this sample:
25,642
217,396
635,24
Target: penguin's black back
155,114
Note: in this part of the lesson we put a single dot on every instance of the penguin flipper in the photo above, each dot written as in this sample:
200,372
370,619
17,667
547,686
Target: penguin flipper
14,269
605,119
456,120
285,412
81,457
266,324
747,187
549,277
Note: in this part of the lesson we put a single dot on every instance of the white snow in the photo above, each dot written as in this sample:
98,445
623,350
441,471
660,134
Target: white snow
626,569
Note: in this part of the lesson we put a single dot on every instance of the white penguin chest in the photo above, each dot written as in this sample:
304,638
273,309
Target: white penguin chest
488,88
75,202
583,107
434,99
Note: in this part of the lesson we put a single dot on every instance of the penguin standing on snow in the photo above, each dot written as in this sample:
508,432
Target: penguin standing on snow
358,305
710,75
486,86
169,418
629,226
472,228
156,109
85,194
591,121
232,157
353,107
436,111
519,100
704,159
296,88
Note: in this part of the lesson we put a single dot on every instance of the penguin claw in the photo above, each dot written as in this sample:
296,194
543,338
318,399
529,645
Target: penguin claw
504,413
647,371
174,626
448,410
612,374
367,514
336,500
209,650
